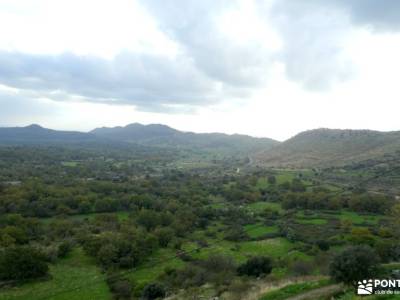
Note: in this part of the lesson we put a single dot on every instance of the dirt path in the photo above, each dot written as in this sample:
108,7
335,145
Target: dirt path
318,293
262,288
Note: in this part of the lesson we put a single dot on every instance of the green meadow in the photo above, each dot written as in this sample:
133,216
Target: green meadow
75,277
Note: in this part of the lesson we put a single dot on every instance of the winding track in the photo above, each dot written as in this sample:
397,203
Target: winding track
325,291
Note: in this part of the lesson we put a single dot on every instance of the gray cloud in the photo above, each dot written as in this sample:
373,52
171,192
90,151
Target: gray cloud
194,25
19,109
211,67
379,15
312,35
314,31
147,81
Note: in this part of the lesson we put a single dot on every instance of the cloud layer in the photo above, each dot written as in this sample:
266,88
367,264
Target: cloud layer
146,81
225,51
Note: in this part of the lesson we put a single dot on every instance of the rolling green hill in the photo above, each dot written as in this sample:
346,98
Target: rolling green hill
330,147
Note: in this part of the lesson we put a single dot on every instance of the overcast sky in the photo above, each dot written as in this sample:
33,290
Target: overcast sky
263,68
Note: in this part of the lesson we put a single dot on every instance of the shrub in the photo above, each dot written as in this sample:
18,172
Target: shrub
236,234
321,261
127,261
271,179
107,255
323,245
353,264
164,236
239,289
191,275
153,291
184,256
17,234
362,236
219,263
122,289
220,268
64,248
301,268
388,250
256,266
50,253
297,185
19,263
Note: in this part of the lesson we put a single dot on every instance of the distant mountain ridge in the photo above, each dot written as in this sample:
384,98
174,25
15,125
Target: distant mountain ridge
162,135
36,134
308,149
135,131
155,135
329,147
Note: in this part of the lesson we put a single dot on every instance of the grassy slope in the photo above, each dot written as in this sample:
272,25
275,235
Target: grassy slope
257,230
329,147
150,271
71,272
349,295
280,178
276,247
320,218
260,206
294,289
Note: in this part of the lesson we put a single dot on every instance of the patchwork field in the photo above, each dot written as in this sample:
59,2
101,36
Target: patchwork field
74,278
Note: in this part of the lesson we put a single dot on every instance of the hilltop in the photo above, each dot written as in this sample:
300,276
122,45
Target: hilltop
164,136
36,134
329,147
153,135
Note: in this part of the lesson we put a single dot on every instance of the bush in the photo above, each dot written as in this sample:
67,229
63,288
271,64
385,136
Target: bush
220,269
361,236
236,234
127,261
19,263
184,256
153,291
271,179
297,185
18,235
321,261
164,236
189,276
239,288
323,245
122,289
302,268
219,263
353,264
64,248
256,266
108,255
388,250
